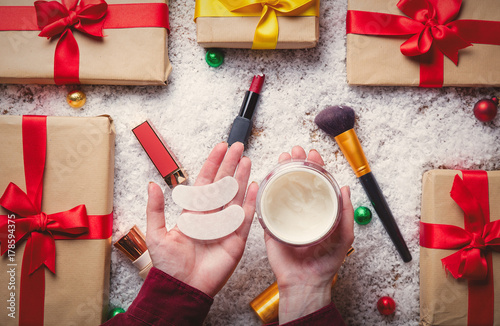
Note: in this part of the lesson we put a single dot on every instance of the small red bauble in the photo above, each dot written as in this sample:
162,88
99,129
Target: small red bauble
386,306
485,110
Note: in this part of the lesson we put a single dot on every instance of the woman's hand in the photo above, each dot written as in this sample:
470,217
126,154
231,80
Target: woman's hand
203,265
305,274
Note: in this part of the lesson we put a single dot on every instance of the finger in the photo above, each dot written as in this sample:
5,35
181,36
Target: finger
346,224
266,236
268,240
242,175
155,209
315,157
249,208
298,153
211,166
341,239
284,157
230,161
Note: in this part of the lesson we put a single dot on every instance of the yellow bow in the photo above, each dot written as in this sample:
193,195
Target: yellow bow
266,33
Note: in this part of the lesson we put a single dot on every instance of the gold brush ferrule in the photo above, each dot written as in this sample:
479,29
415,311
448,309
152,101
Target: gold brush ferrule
349,145
132,244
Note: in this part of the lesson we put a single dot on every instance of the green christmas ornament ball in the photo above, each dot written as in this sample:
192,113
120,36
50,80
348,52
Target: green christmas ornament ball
115,312
214,57
362,215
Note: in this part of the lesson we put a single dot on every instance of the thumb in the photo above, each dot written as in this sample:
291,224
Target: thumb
346,224
155,209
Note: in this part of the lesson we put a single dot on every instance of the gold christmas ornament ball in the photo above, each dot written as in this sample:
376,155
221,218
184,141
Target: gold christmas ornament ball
76,99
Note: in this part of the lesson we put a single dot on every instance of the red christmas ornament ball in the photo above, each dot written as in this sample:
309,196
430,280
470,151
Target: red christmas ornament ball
486,109
386,306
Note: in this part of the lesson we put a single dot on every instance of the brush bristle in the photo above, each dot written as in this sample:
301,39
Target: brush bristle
335,120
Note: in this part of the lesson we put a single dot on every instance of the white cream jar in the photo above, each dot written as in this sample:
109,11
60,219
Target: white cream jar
299,203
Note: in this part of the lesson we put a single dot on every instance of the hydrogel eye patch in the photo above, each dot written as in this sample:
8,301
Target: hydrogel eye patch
213,225
207,197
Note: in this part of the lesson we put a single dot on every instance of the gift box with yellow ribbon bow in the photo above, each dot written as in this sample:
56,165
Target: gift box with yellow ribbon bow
257,24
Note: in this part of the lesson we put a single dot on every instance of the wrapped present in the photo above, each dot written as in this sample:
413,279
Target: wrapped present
117,42
280,24
55,219
426,43
460,248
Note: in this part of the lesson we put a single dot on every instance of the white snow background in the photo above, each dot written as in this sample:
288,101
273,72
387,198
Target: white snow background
404,131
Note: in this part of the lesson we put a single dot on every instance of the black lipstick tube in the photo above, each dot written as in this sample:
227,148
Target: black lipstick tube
242,125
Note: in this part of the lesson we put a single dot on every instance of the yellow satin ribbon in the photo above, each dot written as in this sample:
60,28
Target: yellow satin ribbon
266,33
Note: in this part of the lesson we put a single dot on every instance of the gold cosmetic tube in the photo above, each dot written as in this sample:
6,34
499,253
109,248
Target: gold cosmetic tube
133,245
266,304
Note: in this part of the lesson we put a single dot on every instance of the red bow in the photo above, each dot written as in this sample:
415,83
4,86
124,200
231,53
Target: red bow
430,23
54,19
39,227
479,236
36,225
89,17
433,32
435,27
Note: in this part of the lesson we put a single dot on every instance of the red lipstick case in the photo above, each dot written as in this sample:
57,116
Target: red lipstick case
160,154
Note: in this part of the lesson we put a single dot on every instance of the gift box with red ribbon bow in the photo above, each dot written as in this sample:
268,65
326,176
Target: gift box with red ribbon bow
56,203
84,41
426,43
460,248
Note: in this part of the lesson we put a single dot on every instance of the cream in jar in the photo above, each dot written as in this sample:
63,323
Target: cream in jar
299,203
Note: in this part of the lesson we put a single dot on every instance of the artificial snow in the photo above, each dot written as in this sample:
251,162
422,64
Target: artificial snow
404,132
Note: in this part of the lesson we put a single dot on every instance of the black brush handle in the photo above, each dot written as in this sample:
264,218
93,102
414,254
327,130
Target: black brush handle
377,199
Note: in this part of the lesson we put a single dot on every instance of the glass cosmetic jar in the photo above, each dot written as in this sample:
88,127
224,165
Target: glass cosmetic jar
299,203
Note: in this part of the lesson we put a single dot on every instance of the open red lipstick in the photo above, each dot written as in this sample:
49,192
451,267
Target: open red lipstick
242,125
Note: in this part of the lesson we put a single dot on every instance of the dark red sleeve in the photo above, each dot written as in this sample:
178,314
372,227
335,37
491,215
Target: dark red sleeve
326,316
164,300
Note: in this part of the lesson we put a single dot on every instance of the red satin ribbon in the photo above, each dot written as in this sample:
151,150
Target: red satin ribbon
89,17
55,19
41,229
473,260
432,30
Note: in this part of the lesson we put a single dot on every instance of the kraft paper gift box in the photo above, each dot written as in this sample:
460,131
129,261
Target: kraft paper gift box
132,51
219,27
445,300
378,60
79,169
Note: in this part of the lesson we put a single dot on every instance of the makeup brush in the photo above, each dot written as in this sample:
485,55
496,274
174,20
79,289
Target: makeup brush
338,121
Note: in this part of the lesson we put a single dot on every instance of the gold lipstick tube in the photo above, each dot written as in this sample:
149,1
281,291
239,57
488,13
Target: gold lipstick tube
266,304
133,245
349,145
